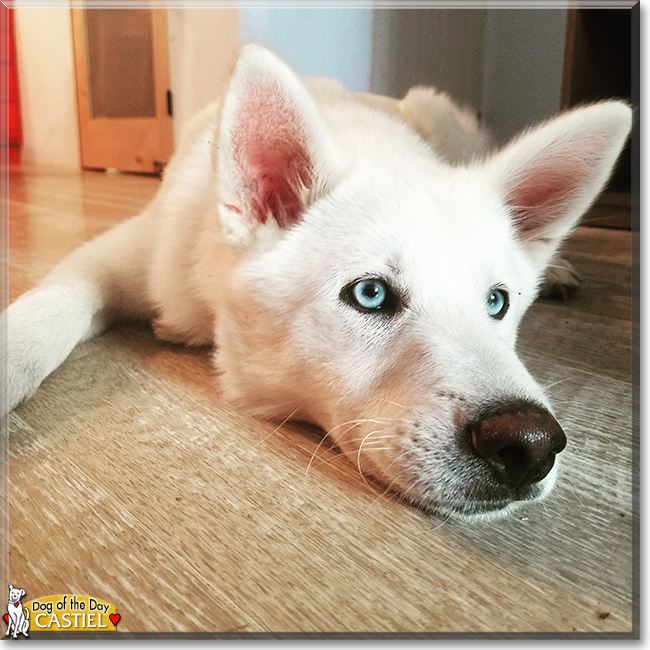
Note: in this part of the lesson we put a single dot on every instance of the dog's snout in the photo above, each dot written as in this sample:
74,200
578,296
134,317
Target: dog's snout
519,441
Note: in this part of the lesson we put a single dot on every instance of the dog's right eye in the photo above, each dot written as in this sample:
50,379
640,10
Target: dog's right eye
497,303
371,295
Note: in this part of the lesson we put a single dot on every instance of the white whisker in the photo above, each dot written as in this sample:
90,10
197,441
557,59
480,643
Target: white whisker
370,420
555,383
387,436
359,458
313,456
393,403
430,530
277,428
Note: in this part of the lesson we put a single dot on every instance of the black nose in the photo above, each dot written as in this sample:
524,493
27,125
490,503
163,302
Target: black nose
519,441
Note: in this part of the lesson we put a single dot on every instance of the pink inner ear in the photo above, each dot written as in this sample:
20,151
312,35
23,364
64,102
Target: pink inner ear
538,198
270,149
278,177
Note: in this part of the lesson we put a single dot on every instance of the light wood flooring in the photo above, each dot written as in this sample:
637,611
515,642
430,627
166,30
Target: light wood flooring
132,480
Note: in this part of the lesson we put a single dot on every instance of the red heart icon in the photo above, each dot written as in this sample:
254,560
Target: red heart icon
6,618
115,618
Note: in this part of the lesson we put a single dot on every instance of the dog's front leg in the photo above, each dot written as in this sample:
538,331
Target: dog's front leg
104,279
561,281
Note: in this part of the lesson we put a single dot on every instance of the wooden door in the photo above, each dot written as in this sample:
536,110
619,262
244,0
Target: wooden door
123,95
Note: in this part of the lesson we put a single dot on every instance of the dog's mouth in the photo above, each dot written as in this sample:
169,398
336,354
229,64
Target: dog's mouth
477,500
471,509
468,508
467,491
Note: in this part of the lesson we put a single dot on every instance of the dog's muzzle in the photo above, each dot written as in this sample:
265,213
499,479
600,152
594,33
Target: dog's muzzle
519,441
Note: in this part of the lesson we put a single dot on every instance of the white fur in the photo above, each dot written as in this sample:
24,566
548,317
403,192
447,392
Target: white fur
374,198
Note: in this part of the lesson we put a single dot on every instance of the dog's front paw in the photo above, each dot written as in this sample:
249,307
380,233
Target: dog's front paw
561,281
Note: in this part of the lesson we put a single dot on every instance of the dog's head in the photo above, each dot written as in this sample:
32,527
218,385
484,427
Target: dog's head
378,291
15,594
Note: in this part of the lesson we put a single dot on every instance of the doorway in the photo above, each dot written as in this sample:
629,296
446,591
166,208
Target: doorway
598,65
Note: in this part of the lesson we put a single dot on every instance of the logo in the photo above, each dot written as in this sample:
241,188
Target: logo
60,613
17,616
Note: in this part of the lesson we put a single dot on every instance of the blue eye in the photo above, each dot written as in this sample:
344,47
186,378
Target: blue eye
369,294
372,296
497,303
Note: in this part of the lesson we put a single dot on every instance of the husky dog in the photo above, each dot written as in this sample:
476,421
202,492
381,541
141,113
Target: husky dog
361,263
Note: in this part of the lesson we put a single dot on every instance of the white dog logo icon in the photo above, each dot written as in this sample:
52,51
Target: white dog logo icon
18,616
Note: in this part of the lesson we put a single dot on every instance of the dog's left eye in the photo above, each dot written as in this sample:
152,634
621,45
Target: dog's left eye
372,295
497,303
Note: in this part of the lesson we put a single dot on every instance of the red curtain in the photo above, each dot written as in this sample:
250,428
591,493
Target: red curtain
9,96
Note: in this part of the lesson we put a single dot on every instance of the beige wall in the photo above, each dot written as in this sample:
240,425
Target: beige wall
202,46
47,86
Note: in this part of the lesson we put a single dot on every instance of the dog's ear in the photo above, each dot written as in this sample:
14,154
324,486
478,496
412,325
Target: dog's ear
23,592
274,154
11,586
551,174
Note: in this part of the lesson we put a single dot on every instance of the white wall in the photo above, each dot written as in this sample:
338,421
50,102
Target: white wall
437,47
202,45
504,63
47,86
524,55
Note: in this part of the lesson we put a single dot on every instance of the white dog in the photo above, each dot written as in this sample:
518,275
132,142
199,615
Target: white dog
356,271
18,615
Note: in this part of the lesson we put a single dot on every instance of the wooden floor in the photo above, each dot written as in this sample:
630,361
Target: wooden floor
132,480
